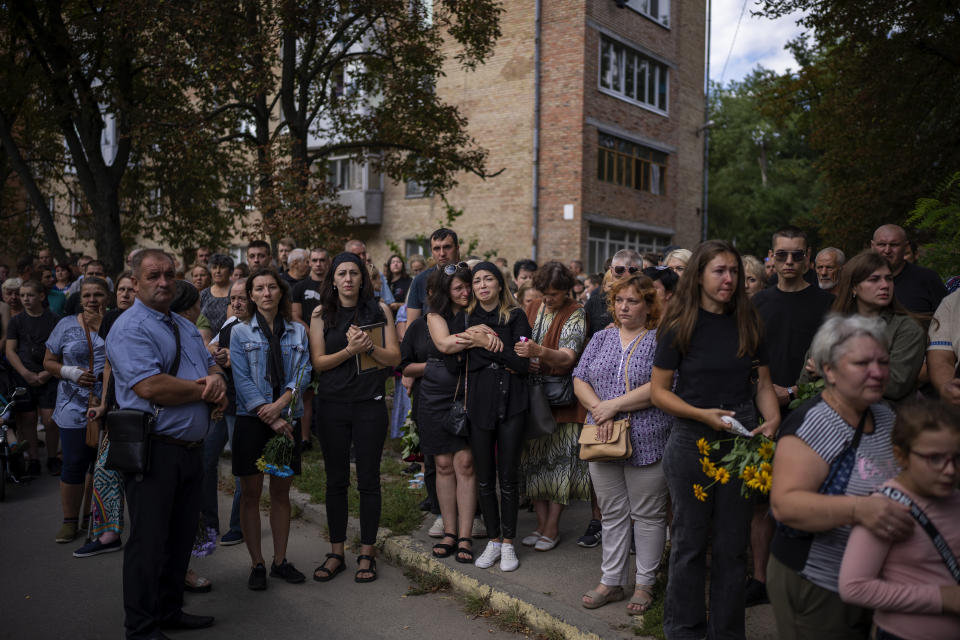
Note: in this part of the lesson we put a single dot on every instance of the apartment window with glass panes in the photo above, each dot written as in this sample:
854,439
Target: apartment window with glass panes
656,10
345,174
603,242
629,74
631,165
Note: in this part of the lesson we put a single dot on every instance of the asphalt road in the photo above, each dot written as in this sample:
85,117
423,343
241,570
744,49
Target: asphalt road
47,594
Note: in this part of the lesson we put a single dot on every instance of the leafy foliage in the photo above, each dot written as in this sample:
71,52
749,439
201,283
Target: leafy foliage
940,215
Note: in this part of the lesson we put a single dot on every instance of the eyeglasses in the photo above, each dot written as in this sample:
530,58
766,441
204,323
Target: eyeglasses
781,256
620,270
451,269
938,461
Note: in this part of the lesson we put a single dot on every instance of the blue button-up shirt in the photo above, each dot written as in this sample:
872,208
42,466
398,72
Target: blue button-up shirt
140,345
249,358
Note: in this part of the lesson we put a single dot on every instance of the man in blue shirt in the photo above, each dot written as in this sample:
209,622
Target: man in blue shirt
164,503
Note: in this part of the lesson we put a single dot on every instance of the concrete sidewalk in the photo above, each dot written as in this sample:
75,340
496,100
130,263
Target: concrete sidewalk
546,589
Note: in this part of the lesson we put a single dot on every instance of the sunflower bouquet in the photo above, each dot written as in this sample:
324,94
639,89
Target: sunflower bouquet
749,461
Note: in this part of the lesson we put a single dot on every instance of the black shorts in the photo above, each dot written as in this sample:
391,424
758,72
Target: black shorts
42,397
250,435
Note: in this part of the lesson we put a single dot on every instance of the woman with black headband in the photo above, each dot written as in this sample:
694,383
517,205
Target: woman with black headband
496,403
270,370
353,368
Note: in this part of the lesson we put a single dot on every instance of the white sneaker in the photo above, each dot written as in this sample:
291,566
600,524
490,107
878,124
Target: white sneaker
490,555
479,528
531,539
508,558
436,529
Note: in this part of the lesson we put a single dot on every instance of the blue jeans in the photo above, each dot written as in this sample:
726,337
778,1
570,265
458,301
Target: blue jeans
721,522
213,446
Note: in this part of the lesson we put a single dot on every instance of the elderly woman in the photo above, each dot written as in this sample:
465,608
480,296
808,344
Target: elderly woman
833,453
76,354
866,288
613,381
553,472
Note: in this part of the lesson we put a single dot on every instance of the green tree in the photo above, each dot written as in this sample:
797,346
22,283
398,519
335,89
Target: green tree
940,216
761,169
878,93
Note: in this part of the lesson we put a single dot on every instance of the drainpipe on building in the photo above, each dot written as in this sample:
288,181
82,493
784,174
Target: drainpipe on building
706,133
536,133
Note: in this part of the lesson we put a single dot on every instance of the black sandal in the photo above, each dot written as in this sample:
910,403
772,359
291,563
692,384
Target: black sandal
465,551
445,550
330,575
372,569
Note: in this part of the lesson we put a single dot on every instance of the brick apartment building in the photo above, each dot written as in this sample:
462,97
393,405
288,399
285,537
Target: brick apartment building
620,158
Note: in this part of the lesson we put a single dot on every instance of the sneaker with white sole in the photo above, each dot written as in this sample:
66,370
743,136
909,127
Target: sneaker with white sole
508,558
479,528
531,539
546,544
490,555
436,529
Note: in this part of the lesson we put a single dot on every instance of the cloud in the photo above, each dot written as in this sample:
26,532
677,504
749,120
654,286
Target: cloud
759,41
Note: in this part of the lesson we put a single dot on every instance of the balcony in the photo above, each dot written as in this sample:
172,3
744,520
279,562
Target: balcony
361,188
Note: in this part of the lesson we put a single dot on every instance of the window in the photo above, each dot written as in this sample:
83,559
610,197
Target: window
631,165
629,74
414,248
603,242
415,189
656,10
345,174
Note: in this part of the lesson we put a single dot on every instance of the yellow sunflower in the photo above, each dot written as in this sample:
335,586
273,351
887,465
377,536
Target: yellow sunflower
722,475
708,467
748,473
703,446
766,450
699,493
766,468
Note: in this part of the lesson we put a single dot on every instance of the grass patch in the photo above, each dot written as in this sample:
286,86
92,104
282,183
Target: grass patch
399,504
424,583
513,620
477,606
552,634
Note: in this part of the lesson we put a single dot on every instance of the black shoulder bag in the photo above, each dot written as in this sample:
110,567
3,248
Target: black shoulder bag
129,430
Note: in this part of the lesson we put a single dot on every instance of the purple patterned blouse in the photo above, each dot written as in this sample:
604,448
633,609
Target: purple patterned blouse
601,366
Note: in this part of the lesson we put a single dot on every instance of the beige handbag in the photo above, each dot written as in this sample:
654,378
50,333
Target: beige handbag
618,447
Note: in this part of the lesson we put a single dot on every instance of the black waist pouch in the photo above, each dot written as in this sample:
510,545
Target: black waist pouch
129,432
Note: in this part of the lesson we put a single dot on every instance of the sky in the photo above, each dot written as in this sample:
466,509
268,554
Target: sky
758,41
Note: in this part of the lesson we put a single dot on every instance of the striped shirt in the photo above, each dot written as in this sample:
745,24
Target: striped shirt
824,431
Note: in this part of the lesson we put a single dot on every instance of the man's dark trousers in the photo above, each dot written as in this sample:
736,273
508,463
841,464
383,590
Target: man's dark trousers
164,513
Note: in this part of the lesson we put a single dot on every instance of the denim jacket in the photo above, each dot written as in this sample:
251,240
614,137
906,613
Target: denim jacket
249,351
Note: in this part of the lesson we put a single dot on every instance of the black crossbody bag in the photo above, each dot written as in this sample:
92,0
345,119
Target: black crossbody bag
129,431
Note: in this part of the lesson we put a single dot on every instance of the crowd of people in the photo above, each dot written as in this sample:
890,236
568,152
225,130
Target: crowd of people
850,366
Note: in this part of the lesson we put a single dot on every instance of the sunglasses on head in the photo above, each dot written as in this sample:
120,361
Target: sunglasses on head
781,256
620,270
451,269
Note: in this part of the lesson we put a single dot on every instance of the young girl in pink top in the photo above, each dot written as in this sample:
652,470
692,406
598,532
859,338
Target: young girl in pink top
907,583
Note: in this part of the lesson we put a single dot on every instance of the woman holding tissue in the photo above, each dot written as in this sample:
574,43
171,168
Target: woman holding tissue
271,367
711,336
71,348
353,369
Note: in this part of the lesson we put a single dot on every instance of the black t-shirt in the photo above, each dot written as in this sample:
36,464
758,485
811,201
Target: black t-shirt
417,292
400,287
307,294
711,374
290,280
597,313
918,289
343,383
31,334
790,320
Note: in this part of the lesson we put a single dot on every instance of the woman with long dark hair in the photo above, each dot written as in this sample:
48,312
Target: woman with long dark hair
399,281
496,403
352,370
271,368
711,336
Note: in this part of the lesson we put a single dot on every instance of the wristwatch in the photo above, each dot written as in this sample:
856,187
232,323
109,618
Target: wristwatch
791,396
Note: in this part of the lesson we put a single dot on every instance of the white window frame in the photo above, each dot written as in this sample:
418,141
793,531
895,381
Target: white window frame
651,64
643,8
600,244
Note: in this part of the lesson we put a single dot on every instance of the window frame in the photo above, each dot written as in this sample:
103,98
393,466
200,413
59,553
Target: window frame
641,160
660,68
600,248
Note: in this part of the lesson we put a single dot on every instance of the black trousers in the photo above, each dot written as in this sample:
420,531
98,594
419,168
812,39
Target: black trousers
365,425
164,507
497,452
430,483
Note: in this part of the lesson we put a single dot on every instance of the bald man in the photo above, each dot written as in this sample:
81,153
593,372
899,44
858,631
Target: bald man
917,288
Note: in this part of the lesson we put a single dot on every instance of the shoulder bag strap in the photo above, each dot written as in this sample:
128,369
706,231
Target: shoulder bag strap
942,547
86,334
626,368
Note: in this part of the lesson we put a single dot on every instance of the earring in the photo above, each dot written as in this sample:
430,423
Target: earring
854,295
334,287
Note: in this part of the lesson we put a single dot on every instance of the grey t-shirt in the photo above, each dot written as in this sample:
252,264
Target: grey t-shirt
215,309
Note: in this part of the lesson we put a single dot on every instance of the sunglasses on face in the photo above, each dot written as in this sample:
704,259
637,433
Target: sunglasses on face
781,256
451,269
620,270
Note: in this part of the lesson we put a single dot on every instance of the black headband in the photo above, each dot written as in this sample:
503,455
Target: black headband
492,268
346,256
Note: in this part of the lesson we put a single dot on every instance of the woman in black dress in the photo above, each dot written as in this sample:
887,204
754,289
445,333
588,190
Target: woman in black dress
396,273
352,403
496,403
443,380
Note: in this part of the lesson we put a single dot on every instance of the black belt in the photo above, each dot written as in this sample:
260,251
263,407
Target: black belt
186,444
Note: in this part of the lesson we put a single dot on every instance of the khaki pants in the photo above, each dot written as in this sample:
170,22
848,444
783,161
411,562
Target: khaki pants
805,611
